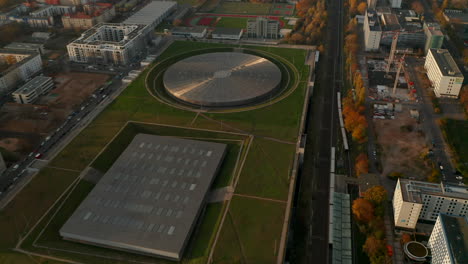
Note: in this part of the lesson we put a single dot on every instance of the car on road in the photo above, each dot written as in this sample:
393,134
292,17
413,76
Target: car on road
459,177
15,167
38,155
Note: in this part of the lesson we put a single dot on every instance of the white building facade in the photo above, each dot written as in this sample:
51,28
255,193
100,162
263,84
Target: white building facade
31,91
449,240
26,65
372,31
443,72
414,201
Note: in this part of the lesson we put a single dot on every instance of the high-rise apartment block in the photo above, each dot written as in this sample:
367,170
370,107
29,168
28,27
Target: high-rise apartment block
449,240
262,27
443,73
372,31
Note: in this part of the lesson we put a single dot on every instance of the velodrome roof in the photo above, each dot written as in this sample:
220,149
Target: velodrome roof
149,200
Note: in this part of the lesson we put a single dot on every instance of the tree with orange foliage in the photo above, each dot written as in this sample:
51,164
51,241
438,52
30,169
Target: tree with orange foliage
464,97
362,164
297,38
405,238
353,6
10,59
417,7
363,210
362,7
377,195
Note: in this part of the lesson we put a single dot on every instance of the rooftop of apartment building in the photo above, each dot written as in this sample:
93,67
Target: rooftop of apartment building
86,37
32,85
456,16
412,191
433,28
446,63
23,45
91,11
401,20
456,234
374,21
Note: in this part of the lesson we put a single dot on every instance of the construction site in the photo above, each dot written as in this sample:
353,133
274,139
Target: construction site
23,126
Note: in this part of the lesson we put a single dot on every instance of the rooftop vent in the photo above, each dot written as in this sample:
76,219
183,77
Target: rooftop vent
451,72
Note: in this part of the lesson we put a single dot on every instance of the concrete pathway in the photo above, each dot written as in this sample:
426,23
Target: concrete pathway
220,194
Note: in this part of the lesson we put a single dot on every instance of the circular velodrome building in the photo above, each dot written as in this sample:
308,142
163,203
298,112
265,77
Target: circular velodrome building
222,79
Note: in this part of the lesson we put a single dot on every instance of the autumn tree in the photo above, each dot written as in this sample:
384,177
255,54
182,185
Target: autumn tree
177,22
297,38
10,59
363,210
362,164
353,6
417,7
373,246
376,195
435,176
405,238
362,7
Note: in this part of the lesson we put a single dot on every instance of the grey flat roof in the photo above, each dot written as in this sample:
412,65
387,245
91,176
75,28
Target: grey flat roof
446,63
150,199
151,12
412,191
456,233
227,31
183,30
23,45
33,84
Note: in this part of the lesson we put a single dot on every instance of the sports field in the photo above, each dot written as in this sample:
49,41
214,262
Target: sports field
251,229
243,8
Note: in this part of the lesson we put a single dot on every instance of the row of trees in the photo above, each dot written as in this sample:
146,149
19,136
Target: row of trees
368,212
357,7
309,29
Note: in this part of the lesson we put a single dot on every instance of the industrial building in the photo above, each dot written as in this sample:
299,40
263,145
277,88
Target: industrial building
91,15
227,33
372,31
35,47
443,72
262,27
415,201
449,240
17,66
222,79
31,91
189,32
109,44
152,14
149,201
434,37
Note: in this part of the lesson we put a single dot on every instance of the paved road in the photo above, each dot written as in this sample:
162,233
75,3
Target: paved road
310,225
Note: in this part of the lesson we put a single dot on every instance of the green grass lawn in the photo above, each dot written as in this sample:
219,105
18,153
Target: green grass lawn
232,22
268,178
456,134
243,8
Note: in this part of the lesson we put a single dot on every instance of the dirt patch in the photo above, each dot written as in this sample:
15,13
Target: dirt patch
402,144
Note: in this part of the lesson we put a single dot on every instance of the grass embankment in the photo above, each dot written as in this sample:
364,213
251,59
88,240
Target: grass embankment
456,134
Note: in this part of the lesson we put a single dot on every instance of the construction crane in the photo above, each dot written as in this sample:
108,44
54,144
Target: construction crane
402,60
392,53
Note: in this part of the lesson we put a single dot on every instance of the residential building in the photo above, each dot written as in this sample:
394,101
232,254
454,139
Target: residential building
395,3
372,4
434,37
455,16
41,35
227,33
193,32
262,27
91,15
109,43
39,48
372,31
443,72
31,91
415,201
407,24
152,14
449,240
17,66
53,10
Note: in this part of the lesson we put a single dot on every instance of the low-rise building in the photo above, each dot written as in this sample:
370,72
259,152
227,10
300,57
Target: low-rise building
449,240
227,33
262,27
455,16
415,201
193,32
41,35
17,66
109,44
39,48
372,31
91,15
152,14
31,91
434,37
443,72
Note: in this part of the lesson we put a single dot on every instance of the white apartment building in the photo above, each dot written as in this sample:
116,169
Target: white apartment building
262,27
53,10
92,15
395,3
449,240
29,92
18,66
372,30
414,201
443,72
109,44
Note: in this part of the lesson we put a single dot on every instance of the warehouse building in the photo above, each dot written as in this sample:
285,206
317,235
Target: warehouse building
449,240
152,14
149,201
415,201
109,44
443,72
17,66
30,92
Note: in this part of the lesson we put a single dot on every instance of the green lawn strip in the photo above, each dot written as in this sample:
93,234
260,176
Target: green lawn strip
18,258
232,22
29,205
188,2
243,8
456,134
228,249
272,180
258,225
